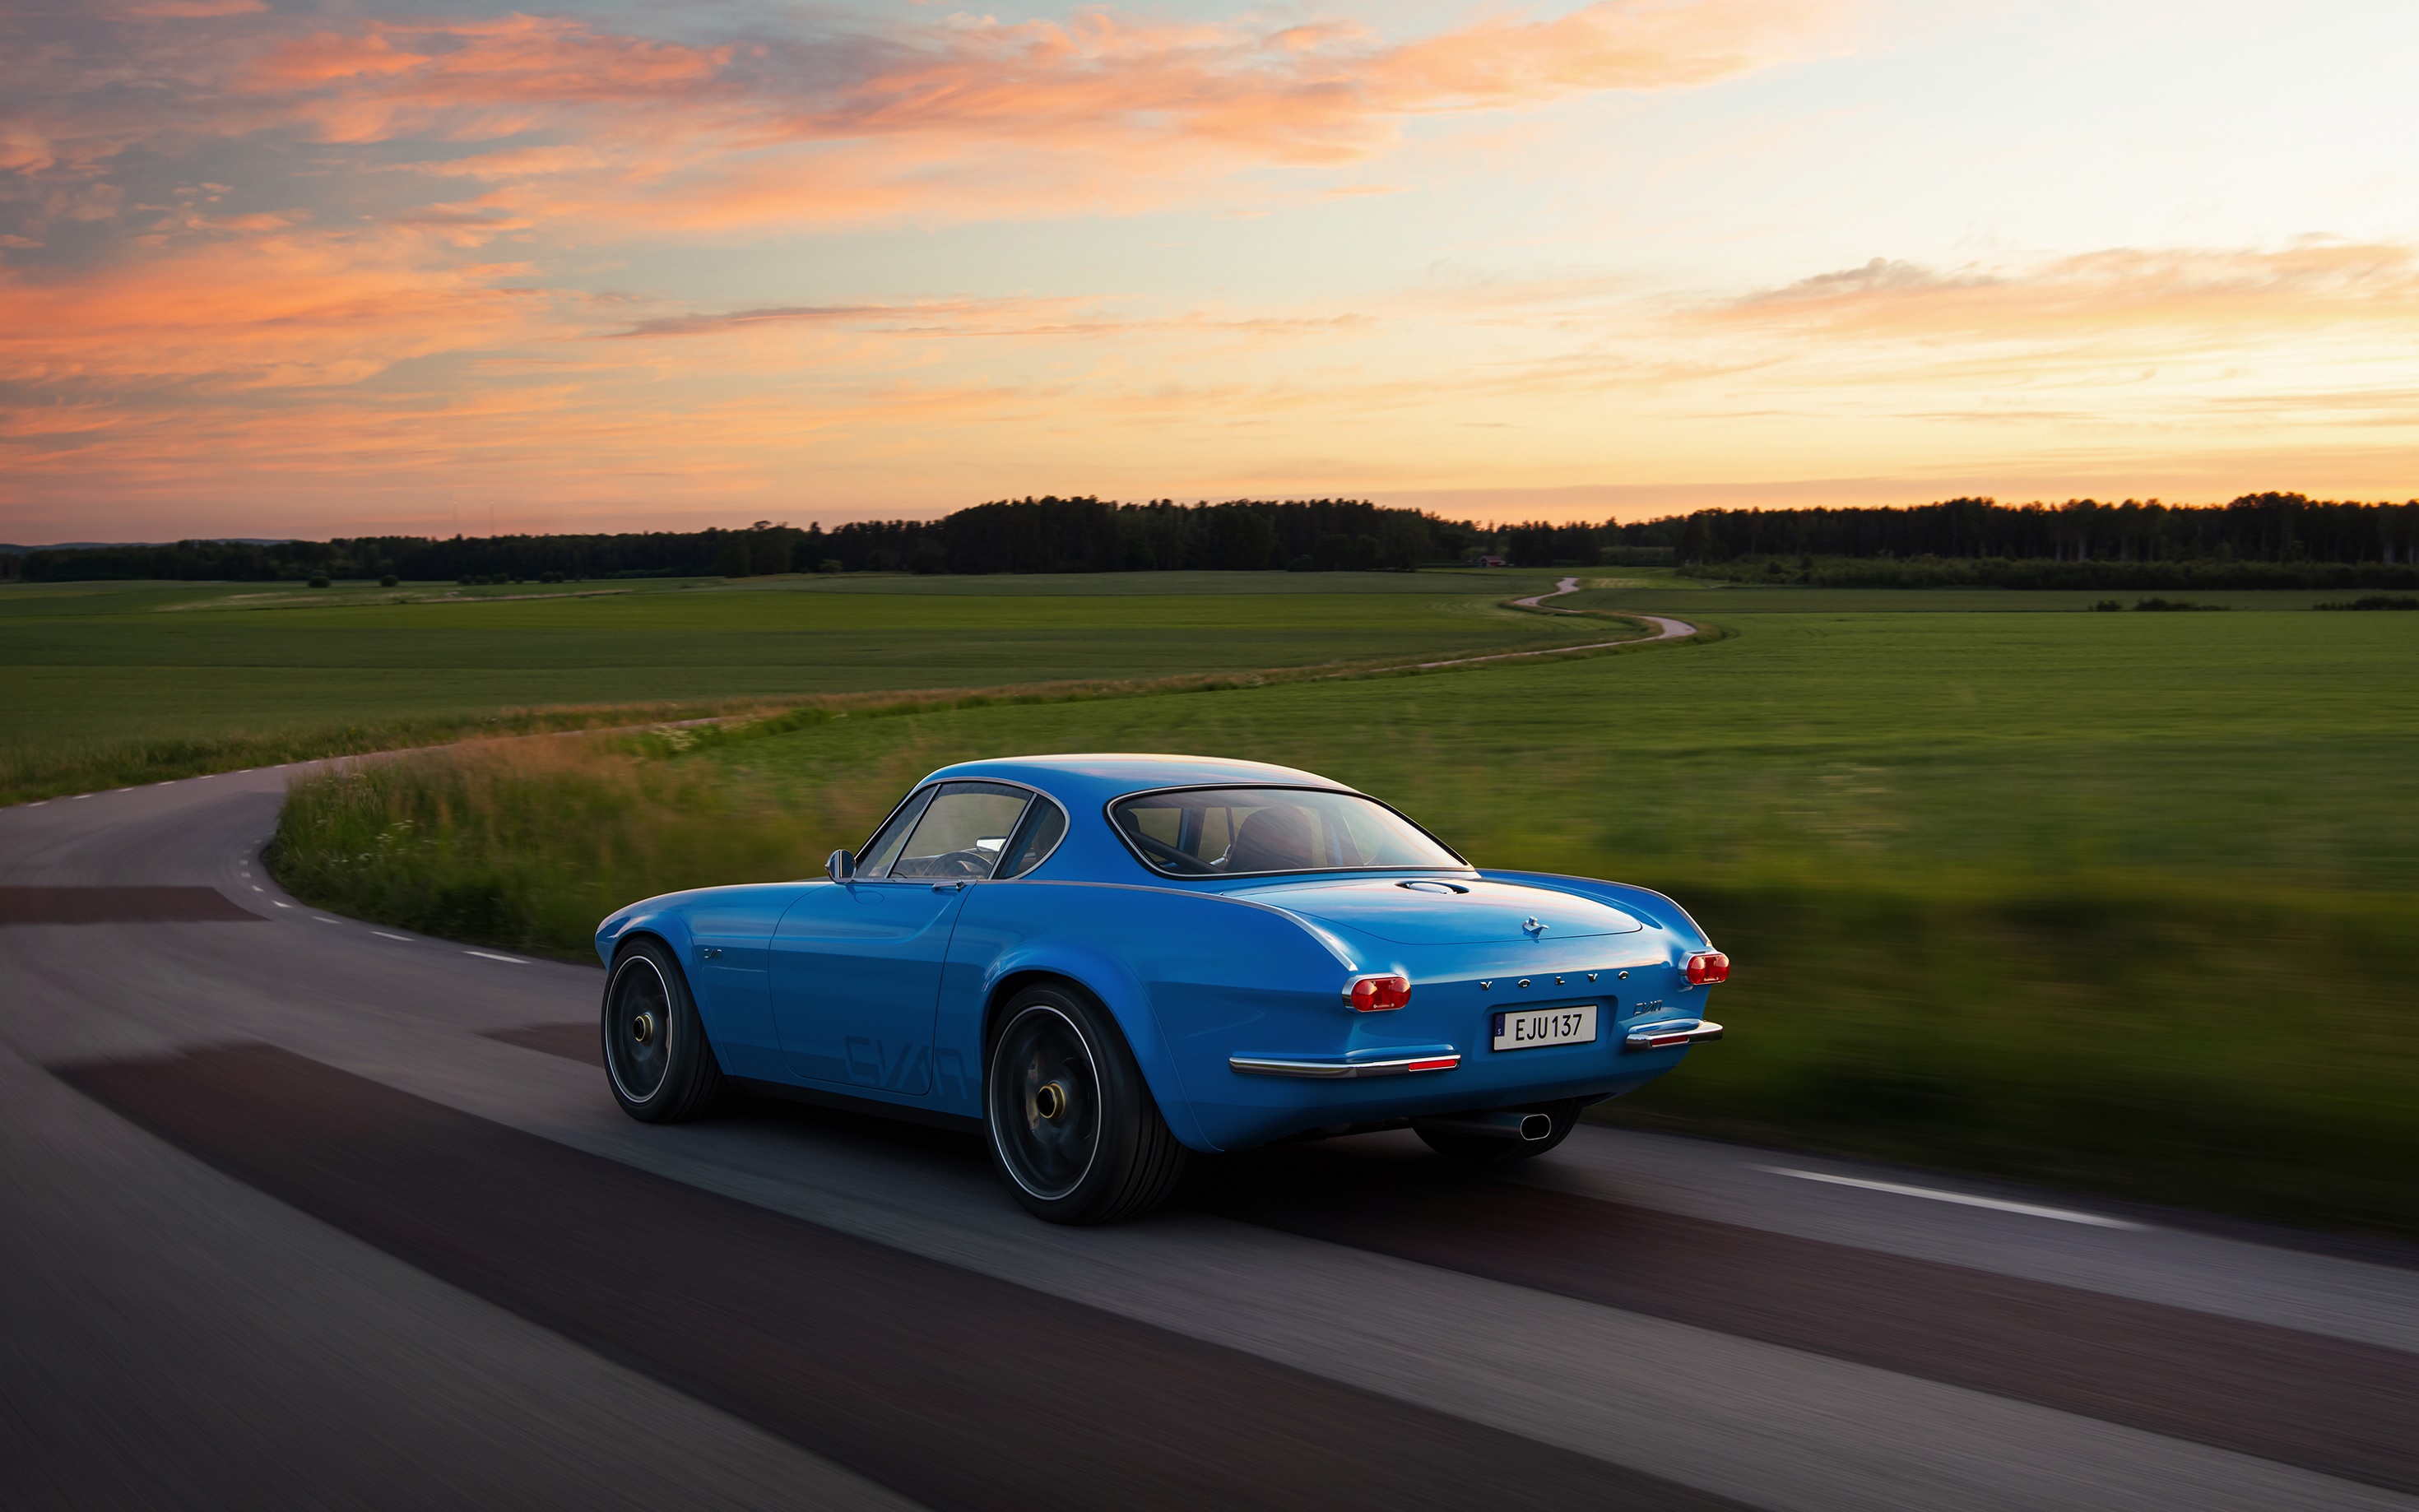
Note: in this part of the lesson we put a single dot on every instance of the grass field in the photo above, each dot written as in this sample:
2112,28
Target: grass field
109,684
2121,901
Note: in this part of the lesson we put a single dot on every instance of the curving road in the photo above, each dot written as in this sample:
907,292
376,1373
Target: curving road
301,1213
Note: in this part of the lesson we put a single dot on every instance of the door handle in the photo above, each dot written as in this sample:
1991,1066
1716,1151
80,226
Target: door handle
948,887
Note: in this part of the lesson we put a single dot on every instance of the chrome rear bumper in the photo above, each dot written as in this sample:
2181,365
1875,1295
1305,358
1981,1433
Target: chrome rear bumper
1341,1070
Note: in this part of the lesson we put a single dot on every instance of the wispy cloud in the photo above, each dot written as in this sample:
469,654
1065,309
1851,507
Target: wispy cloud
2158,296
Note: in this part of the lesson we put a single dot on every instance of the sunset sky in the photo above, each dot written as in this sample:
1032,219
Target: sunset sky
274,268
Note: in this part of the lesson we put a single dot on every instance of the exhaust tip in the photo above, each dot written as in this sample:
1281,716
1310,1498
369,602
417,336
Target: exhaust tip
1502,1123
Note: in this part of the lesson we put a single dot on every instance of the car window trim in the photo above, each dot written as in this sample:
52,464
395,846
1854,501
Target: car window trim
1109,816
937,784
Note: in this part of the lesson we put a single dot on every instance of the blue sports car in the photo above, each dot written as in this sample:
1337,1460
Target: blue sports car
1107,961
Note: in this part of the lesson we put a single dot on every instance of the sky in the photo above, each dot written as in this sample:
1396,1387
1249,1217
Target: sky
329,267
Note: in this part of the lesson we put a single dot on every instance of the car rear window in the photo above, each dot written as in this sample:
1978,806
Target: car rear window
1244,831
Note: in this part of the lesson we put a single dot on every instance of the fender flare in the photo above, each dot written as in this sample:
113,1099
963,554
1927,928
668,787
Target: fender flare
1115,986
656,916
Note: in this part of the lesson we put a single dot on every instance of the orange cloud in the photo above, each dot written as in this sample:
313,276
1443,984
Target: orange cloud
919,121
191,9
2195,296
264,307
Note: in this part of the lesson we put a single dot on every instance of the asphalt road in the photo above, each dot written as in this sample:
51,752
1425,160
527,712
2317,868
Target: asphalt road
298,1211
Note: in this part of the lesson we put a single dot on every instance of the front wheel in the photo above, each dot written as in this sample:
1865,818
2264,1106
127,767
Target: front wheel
1072,1125
1478,1150
657,1059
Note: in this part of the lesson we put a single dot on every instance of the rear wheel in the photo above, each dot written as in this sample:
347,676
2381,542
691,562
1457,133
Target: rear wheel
1478,1150
1072,1125
657,1059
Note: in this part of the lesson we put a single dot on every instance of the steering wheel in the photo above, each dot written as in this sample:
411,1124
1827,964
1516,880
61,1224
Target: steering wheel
1165,852
947,864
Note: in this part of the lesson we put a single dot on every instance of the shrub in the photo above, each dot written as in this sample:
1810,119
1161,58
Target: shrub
386,581
319,583
2171,606
2376,601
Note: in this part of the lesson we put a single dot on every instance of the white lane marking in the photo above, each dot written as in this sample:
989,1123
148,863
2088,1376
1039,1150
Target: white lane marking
255,887
384,936
489,955
327,921
2030,1210
81,796
281,904
38,803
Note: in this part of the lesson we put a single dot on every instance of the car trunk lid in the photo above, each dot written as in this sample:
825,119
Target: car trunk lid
1437,911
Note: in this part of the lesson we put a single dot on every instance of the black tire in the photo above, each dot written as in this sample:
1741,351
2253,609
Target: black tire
657,1059
1073,1128
1478,1150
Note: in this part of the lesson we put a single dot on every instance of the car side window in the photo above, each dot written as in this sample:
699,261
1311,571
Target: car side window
883,848
1045,822
963,832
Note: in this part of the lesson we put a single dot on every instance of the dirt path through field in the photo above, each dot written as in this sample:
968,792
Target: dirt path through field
1665,629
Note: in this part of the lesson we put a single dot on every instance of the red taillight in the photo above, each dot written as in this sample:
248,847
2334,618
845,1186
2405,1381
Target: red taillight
1707,968
1375,994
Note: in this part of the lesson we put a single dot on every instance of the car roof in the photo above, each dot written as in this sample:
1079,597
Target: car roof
1095,777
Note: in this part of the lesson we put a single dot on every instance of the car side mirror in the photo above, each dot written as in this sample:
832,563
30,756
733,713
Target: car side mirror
841,866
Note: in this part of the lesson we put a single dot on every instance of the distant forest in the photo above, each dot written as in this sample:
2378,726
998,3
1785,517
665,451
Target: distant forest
2261,540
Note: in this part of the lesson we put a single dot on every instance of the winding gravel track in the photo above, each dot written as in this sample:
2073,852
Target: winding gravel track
300,1212
1665,629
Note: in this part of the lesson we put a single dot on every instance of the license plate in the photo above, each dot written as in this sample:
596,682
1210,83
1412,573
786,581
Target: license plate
1533,1027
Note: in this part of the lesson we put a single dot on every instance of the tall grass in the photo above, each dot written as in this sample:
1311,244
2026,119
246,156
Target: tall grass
2250,1054
49,768
529,843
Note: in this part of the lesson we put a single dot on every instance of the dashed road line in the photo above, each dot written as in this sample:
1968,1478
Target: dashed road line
1964,1199
490,955
384,936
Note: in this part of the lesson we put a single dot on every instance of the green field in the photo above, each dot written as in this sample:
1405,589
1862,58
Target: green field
109,683
2122,901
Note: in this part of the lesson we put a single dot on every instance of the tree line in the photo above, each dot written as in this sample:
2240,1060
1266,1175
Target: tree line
2264,527
2260,539
1053,534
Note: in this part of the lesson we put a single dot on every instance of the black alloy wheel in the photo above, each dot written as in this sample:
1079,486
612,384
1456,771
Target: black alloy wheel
1479,1150
657,1059
1071,1126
